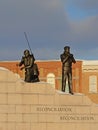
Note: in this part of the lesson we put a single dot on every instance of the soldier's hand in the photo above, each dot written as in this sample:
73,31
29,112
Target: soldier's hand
21,68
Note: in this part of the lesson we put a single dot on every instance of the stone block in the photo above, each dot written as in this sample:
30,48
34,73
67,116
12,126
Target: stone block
11,126
52,126
3,126
94,126
83,126
46,99
39,126
14,99
23,109
3,98
15,118
3,87
30,99
3,117
69,126
83,109
7,109
94,109
30,118
11,87
22,126
22,87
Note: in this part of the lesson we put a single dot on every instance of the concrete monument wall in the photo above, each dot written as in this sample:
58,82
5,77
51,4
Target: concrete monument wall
38,106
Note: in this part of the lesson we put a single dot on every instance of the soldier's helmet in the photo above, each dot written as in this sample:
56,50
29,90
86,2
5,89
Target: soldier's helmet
67,48
26,52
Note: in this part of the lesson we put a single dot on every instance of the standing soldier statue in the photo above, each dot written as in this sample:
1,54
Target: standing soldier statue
67,59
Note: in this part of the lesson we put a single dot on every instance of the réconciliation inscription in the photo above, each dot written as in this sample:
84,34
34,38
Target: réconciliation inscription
65,114
54,109
76,117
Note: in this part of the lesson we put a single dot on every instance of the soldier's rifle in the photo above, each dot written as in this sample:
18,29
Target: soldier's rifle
28,42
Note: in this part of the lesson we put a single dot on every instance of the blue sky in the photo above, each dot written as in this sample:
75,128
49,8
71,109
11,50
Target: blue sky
50,25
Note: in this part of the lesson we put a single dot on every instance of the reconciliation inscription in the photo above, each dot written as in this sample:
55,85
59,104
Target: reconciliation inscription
65,114
54,109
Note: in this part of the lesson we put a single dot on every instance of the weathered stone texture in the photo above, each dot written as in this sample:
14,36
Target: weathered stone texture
38,106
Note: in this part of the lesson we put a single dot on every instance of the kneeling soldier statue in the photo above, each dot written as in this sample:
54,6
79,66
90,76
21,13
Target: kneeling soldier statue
29,66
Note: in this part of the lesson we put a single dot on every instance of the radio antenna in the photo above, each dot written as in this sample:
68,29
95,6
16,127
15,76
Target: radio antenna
27,41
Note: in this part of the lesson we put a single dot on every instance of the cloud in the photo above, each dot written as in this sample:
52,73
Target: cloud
84,29
48,26
44,20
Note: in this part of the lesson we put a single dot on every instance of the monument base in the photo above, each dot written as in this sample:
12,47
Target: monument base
38,106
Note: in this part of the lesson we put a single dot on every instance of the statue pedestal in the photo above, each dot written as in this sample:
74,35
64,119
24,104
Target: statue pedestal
38,106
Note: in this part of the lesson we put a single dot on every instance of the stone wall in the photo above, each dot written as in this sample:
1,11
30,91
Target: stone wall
38,106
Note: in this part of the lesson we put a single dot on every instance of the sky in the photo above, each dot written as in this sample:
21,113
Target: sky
50,25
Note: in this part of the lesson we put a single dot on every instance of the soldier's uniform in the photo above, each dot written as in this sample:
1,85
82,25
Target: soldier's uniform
28,62
67,59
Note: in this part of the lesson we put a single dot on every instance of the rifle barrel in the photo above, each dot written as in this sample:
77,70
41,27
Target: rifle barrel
27,41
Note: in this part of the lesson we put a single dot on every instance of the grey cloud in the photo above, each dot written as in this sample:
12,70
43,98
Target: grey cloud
48,28
85,32
43,18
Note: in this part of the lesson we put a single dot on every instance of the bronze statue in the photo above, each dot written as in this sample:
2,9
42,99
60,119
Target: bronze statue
67,59
31,72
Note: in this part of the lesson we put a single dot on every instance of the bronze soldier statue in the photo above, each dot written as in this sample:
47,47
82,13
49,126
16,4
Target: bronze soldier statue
29,66
67,59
